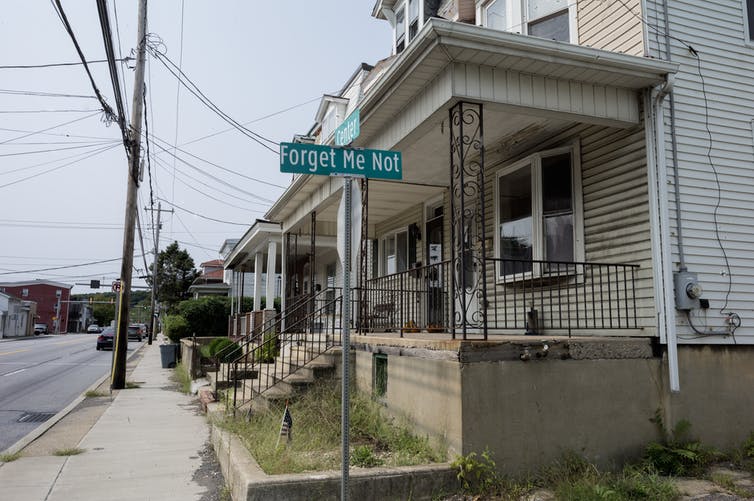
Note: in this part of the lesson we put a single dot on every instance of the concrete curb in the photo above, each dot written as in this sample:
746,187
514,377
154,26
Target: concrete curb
247,481
42,428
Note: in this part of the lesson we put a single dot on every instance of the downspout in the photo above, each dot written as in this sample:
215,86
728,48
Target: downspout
667,314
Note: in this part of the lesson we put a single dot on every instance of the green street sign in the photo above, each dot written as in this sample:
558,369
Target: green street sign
348,130
321,160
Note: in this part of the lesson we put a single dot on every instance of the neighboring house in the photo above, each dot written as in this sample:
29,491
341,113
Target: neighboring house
52,299
16,316
572,232
211,281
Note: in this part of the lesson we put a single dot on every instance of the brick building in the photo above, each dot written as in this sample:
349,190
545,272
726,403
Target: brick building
49,296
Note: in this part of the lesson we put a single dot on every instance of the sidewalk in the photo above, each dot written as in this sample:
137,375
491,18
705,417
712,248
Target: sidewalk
148,444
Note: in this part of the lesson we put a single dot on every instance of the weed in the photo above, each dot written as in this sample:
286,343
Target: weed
748,447
316,434
677,454
95,394
477,474
7,458
181,376
363,456
70,451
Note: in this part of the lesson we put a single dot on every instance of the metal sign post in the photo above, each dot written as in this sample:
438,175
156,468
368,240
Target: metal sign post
346,339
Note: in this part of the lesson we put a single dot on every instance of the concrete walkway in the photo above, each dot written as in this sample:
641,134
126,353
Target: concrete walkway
147,445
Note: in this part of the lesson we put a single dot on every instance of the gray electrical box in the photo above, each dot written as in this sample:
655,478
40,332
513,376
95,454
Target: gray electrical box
687,290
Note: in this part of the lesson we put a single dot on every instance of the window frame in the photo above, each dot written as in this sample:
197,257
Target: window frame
518,19
538,238
748,10
406,38
393,235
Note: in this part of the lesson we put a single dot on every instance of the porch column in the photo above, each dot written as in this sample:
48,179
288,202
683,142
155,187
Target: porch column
284,251
468,290
272,249
258,260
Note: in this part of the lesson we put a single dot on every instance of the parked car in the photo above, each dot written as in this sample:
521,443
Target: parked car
105,339
40,329
134,332
94,329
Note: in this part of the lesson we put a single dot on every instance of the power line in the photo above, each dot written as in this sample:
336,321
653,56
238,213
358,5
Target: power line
239,174
20,112
55,65
197,214
48,162
48,128
36,152
13,92
177,99
181,76
107,38
54,134
57,168
62,267
61,14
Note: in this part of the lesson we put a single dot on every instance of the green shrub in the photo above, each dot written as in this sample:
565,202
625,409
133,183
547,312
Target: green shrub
176,327
364,456
269,349
749,446
208,316
224,349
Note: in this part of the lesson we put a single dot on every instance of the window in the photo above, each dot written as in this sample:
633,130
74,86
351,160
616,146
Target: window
538,212
553,19
328,124
413,19
400,30
398,252
24,292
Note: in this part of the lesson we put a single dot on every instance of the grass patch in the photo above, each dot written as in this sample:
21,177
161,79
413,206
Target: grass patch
70,451
315,445
7,458
571,478
95,394
181,376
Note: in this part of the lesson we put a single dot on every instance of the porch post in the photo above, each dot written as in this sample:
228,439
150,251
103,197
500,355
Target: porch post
284,250
364,268
468,291
312,264
272,249
258,259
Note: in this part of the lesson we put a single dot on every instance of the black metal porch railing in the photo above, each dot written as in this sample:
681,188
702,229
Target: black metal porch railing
298,336
525,296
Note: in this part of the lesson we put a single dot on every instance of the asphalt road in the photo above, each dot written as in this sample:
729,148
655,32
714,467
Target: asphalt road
40,376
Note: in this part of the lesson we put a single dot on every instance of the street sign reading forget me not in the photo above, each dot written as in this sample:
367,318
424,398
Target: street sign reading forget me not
321,160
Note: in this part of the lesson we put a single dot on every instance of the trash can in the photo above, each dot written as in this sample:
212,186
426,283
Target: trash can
169,355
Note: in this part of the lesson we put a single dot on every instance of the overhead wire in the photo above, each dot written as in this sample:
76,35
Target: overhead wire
178,98
174,205
109,114
50,150
194,89
58,167
14,92
23,112
62,267
56,65
48,162
34,133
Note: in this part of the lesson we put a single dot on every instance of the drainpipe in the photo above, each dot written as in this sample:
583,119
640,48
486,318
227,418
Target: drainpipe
662,254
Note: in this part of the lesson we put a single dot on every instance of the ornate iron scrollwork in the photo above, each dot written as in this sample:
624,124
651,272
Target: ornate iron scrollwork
467,208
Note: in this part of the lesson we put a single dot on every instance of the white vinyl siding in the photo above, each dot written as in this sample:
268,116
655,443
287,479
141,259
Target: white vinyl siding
611,26
615,206
718,31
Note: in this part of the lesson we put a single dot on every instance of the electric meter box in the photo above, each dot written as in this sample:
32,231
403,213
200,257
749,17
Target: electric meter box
687,290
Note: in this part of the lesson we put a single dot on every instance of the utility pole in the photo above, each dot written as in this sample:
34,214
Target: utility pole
118,379
153,324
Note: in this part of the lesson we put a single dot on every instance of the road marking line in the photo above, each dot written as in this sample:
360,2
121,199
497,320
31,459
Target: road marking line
12,352
14,372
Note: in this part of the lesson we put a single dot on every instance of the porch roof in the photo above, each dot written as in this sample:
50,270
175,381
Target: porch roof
528,86
256,239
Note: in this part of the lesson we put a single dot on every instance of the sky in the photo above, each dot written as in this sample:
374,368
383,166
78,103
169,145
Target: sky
63,169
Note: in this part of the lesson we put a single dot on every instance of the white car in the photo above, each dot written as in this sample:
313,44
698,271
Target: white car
94,329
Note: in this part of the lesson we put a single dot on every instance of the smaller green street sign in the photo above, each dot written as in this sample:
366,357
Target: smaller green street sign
349,129
319,160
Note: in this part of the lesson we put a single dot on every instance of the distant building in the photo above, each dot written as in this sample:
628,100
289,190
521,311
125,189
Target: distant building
211,281
16,316
52,300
